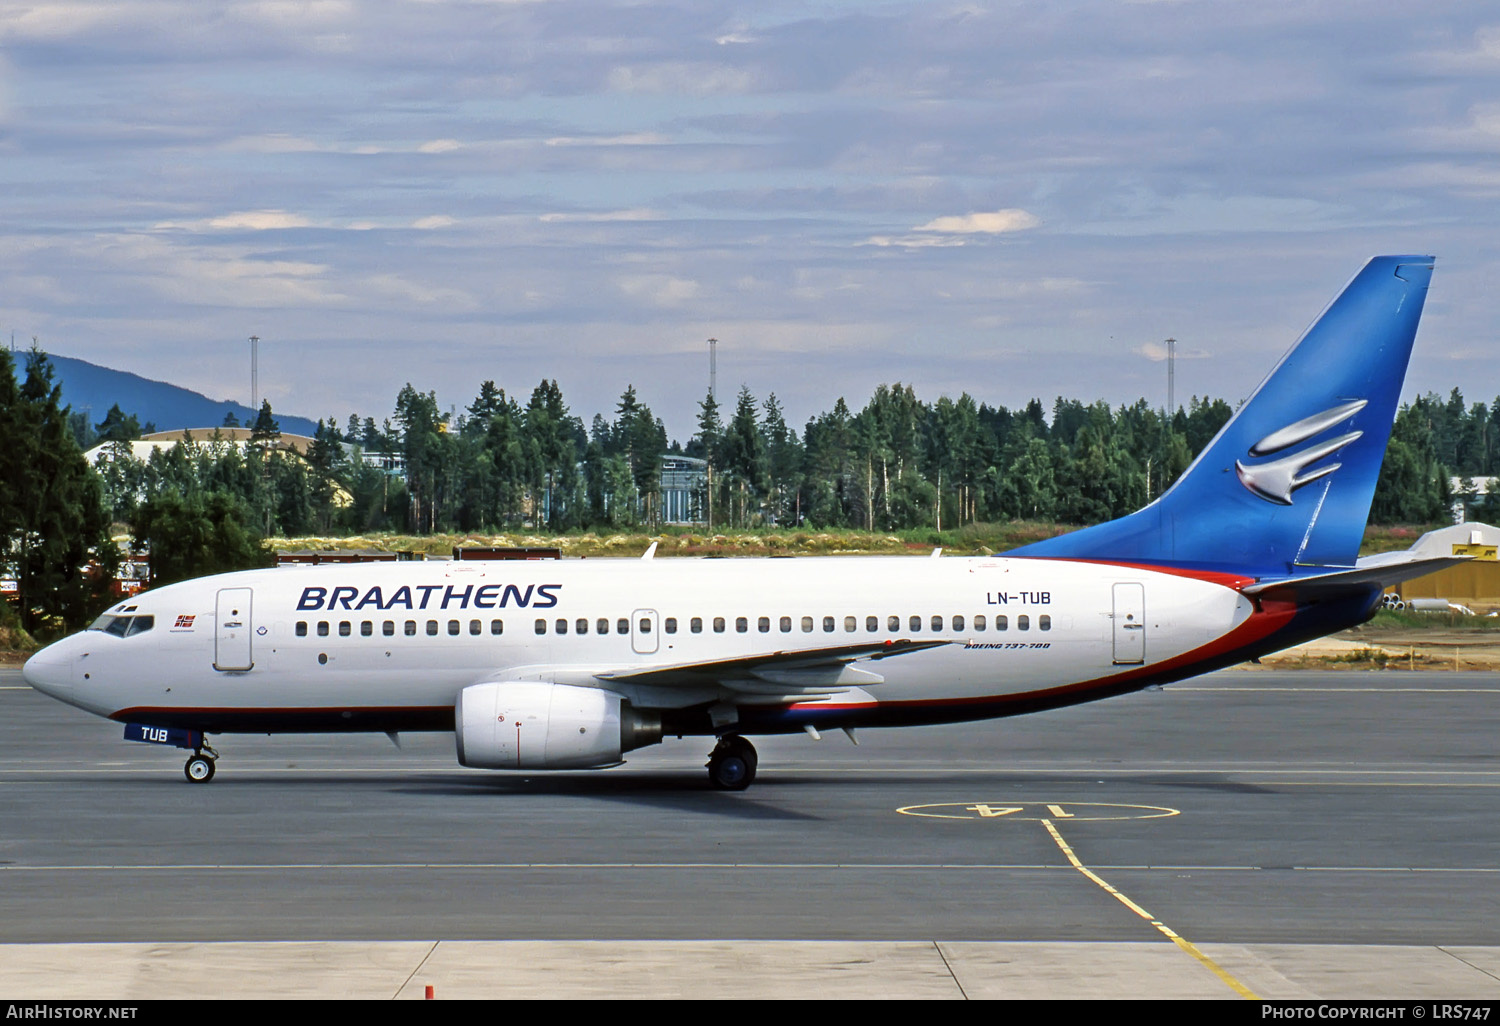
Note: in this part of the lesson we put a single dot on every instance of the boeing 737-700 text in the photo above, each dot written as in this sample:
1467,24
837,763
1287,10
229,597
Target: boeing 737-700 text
571,663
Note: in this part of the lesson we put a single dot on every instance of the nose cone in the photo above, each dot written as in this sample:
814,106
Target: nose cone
50,671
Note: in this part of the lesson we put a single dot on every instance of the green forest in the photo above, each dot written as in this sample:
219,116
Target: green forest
897,463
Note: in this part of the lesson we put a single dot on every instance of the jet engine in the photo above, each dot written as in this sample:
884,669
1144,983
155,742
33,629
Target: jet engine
533,725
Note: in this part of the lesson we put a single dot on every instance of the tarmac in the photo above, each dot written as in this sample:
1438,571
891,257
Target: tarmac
1245,835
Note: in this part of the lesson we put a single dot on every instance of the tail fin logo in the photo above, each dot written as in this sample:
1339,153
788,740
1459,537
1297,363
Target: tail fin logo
1277,480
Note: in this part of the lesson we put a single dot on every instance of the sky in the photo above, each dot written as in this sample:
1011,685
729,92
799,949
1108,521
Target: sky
1012,200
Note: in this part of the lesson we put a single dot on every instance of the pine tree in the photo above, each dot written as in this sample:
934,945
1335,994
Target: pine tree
53,525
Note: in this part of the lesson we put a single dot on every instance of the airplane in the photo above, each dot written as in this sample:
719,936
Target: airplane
568,664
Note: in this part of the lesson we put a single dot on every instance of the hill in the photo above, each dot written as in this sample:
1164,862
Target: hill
87,386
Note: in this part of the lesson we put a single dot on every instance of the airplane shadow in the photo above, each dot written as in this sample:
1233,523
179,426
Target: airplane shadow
673,791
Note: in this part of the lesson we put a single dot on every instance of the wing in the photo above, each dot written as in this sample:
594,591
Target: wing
800,672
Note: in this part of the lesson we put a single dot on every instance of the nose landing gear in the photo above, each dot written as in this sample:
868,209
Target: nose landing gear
200,765
731,765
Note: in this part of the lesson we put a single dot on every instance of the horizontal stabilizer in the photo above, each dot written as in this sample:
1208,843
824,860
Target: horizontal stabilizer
1375,572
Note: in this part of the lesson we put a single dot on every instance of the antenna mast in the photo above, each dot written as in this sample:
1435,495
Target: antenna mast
1171,378
713,366
254,375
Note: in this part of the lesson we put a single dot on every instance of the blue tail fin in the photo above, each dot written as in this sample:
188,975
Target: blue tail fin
1288,481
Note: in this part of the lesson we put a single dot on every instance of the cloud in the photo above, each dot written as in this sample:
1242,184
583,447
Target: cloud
435,221
692,78
911,241
279,142
1156,352
942,231
658,289
630,139
991,223
259,220
639,214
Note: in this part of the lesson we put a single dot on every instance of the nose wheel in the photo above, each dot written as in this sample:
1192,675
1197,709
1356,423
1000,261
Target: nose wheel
200,766
731,765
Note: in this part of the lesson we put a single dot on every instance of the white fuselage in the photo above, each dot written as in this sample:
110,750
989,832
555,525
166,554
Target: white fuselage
309,645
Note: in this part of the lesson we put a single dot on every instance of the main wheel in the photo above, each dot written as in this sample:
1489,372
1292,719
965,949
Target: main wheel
199,769
732,765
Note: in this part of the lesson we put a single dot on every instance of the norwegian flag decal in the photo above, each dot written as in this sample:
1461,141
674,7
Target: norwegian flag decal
184,622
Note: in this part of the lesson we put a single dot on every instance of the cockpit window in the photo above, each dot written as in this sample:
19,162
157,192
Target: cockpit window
123,626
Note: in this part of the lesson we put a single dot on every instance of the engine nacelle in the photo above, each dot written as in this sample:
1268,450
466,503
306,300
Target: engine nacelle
532,725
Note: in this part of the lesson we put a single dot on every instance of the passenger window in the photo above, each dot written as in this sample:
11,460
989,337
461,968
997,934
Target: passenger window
718,625
850,624
786,625
1023,622
893,624
432,628
562,626
645,625
669,625
541,626
454,628
937,623
476,628
301,628
602,626
764,624
497,627
1002,622
411,628
872,624
979,621
366,628
622,625
388,628
344,628
741,625
581,627
915,623
807,625
322,628
958,623
827,625
696,625
1044,622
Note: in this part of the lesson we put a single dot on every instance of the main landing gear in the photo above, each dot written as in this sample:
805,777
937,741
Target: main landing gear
731,765
200,765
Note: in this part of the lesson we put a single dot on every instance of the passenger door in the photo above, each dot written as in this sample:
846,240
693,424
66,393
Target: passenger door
1129,620
232,629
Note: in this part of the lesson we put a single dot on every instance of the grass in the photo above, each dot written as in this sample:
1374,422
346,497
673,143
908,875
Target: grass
971,539
1406,619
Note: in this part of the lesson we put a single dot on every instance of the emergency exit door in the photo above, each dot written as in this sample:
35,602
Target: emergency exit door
643,631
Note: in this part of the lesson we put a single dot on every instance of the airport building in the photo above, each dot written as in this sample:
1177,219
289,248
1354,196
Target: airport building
682,482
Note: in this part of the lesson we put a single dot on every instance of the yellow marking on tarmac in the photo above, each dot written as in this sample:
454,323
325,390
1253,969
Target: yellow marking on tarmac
1176,938
1034,810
